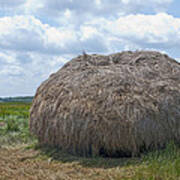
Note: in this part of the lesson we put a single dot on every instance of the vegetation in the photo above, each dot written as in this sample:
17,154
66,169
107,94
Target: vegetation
22,158
17,99
14,123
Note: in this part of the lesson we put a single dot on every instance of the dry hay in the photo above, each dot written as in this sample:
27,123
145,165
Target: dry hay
116,105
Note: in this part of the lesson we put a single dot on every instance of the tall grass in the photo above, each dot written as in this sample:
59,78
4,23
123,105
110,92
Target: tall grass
14,119
161,165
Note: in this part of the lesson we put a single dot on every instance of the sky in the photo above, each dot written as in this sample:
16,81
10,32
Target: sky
38,36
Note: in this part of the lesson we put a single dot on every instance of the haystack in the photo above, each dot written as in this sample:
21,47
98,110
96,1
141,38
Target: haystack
117,105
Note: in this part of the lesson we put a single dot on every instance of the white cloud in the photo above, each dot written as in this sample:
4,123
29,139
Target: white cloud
88,32
29,34
18,77
38,37
59,37
144,31
26,33
98,2
79,11
32,6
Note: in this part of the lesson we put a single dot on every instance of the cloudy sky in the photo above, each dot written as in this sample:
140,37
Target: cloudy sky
38,36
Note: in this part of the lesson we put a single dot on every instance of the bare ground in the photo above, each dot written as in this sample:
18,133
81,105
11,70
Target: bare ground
21,162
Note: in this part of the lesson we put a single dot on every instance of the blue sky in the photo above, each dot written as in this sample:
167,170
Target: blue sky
38,37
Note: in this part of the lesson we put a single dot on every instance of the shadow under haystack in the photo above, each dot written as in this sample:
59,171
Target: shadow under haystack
117,105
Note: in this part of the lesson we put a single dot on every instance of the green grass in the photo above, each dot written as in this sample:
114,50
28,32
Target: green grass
160,165
14,119
157,165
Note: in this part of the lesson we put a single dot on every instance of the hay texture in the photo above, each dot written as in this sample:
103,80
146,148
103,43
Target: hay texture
116,105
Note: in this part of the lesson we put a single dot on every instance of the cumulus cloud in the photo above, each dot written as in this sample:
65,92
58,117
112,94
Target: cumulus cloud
160,31
21,73
102,7
80,11
31,50
28,34
38,37
80,6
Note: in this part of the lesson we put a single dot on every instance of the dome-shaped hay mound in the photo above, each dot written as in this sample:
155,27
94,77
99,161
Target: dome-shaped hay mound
116,105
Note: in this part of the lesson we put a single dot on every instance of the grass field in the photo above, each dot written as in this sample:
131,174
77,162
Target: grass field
14,123
21,158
